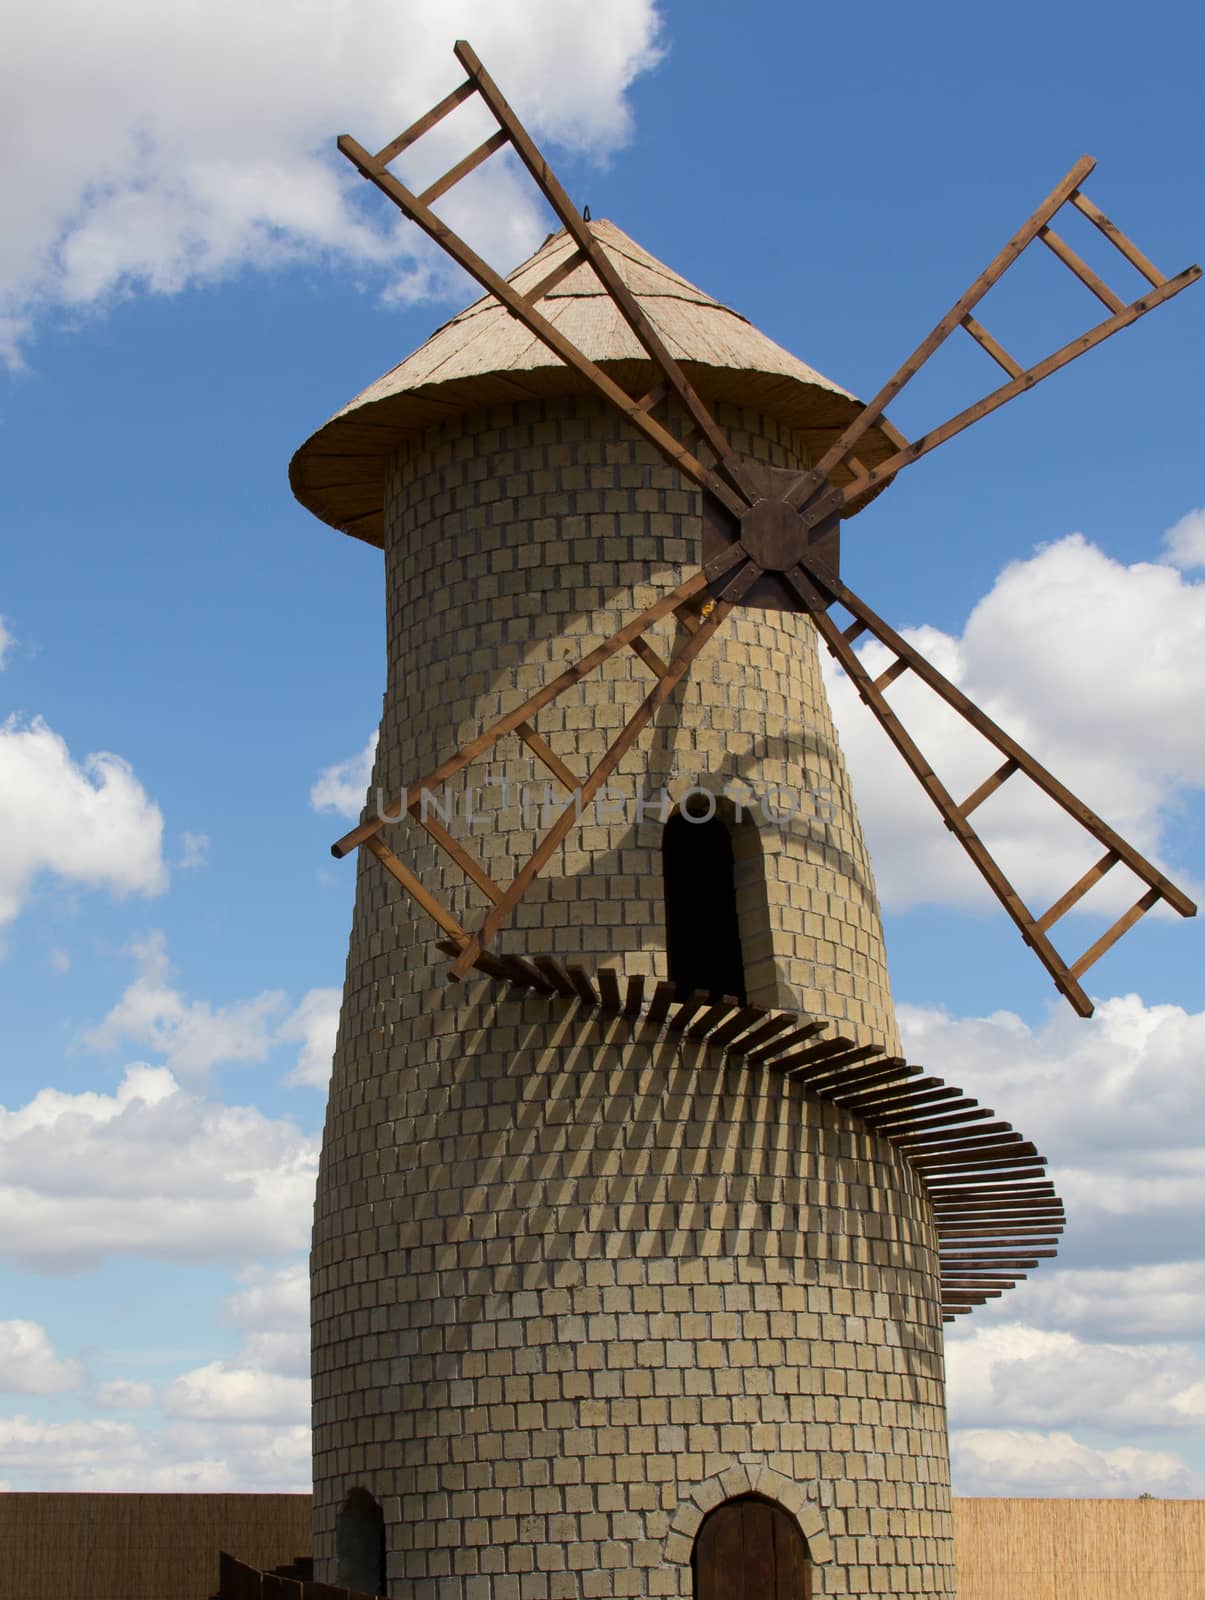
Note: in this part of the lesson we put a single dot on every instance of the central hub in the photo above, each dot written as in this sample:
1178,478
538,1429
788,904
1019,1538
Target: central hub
772,535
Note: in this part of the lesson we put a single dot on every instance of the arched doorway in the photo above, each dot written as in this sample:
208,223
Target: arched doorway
360,1544
750,1549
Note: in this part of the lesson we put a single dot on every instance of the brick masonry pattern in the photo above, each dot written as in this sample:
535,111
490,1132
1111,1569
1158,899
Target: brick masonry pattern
566,1279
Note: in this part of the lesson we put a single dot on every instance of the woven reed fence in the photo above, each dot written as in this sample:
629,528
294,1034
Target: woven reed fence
1080,1549
141,1546
165,1546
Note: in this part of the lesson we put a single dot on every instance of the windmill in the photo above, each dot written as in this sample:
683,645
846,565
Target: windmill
630,1265
773,537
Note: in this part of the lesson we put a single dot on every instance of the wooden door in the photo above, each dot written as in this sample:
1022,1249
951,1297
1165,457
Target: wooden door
750,1549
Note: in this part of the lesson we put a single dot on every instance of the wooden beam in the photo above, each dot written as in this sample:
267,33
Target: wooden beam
462,168
1081,269
1118,239
827,1075
812,1052
543,751
649,656
663,998
867,1081
1016,1194
714,1014
635,996
1078,890
970,1177
580,979
890,1091
951,1139
688,1009
608,988
523,972
958,1236
769,1029
556,975
740,1022
437,113
468,863
988,787
997,351
438,914
550,281
891,1121
890,674
784,1042
1109,939
1008,1151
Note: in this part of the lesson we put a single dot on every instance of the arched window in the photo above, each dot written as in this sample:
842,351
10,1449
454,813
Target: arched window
750,1549
703,933
360,1544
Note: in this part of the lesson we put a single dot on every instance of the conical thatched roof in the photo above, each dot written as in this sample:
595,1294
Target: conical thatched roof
485,357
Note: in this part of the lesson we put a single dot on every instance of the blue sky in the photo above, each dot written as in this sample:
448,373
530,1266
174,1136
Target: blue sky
194,283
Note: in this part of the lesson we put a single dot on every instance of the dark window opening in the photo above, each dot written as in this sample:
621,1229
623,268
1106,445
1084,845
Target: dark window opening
702,929
750,1549
360,1544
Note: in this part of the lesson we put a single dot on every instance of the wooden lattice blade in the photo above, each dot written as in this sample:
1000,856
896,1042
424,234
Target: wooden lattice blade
1021,379
699,623
568,819
514,721
1017,761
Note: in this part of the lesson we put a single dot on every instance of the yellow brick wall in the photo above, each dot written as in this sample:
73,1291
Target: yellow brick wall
573,1285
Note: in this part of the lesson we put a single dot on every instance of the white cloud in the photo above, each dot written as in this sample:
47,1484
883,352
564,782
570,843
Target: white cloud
149,1171
222,1392
191,1035
1095,667
274,1314
1007,1461
1184,544
239,1425
98,1456
268,1380
193,849
6,642
1134,1068
123,1394
1166,1301
1013,1374
193,142
314,1024
88,823
28,1363
343,787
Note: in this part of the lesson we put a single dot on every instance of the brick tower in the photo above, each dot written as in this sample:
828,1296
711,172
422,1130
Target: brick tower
596,1289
